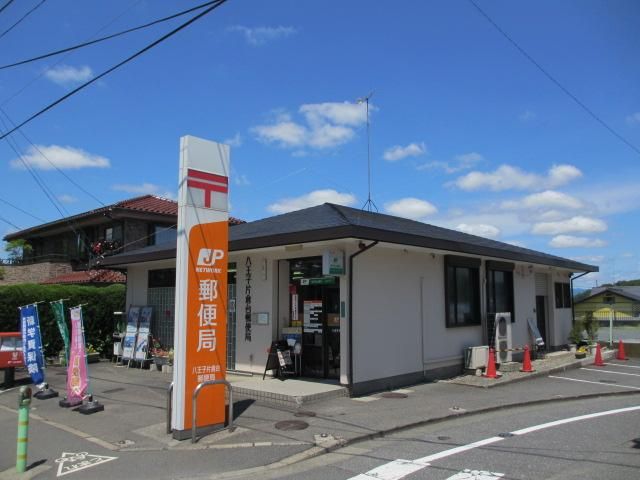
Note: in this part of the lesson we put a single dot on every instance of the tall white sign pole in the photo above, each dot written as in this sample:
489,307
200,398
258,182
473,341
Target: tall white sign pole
200,339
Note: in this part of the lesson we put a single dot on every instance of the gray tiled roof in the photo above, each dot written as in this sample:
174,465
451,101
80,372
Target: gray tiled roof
331,222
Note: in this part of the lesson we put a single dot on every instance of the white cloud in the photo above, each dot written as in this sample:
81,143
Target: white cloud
286,134
634,118
510,224
568,241
234,141
257,36
345,113
64,198
317,197
143,189
461,162
527,115
507,177
480,229
67,75
241,180
398,152
412,208
328,125
578,224
44,157
546,199
590,258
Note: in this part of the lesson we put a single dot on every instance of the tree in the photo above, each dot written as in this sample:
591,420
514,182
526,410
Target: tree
17,249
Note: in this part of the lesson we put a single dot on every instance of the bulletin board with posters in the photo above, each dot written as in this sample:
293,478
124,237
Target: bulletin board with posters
130,336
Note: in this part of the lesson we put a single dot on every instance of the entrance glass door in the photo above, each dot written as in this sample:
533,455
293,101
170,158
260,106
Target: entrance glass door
318,303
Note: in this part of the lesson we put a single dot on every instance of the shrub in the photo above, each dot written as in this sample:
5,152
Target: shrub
97,314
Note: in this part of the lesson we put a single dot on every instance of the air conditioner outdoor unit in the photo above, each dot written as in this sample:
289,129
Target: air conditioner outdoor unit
476,357
503,340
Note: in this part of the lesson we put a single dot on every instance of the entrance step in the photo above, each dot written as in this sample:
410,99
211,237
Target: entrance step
289,392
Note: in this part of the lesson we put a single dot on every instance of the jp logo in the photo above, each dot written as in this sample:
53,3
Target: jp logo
207,257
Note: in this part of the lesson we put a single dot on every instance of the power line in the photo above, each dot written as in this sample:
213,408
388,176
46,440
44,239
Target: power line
108,37
106,72
21,210
5,5
21,19
553,79
76,184
10,223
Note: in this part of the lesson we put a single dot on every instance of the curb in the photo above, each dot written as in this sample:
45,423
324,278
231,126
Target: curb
317,451
608,355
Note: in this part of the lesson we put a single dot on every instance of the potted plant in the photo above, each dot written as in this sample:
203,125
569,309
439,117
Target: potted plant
576,335
591,326
93,355
160,355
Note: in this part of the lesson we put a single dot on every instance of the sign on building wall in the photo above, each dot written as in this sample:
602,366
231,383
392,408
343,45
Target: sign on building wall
201,283
333,262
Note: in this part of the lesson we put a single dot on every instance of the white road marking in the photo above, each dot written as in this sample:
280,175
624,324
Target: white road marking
394,469
74,462
610,371
467,474
579,418
456,450
622,365
595,383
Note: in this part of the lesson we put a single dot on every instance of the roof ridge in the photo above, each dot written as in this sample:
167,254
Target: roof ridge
337,209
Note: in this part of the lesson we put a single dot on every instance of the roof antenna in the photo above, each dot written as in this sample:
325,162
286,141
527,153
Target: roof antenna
369,204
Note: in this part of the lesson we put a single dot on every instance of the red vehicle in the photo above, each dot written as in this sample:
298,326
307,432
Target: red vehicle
11,350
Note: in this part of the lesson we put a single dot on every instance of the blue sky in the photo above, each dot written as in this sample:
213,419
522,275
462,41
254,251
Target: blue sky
465,132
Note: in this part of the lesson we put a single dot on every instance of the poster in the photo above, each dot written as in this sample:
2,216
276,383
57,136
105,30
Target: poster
312,315
129,341
77,381
142,340
32,343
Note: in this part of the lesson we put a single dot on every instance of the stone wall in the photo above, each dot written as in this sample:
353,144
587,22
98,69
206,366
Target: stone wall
34,273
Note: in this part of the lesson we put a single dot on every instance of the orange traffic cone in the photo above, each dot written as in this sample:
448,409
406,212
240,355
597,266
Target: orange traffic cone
526,362
621,355
490,371
598,360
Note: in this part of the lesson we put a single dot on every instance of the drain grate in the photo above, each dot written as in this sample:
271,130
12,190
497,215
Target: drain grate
291,425
506,435
125,443
394,395
443,438
304,413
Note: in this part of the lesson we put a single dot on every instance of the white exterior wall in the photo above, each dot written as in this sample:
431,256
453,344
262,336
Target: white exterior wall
399,308
388,329
138,279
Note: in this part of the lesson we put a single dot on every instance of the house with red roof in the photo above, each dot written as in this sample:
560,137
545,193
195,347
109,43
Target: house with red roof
64,250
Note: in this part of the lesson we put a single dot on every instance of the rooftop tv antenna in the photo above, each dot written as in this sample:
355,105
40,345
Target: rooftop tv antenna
369,205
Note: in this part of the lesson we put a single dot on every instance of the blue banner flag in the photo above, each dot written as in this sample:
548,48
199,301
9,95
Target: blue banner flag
32,343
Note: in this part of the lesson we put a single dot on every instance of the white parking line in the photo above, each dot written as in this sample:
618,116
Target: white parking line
595,383
398,469
610,371
622,365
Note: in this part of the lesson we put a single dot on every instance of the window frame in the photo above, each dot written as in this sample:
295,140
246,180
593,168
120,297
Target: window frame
492,266
562,293
452,265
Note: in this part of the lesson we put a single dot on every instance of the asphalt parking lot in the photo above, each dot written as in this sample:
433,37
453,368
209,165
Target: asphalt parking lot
617,374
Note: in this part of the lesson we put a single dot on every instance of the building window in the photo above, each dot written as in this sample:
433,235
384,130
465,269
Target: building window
162,234
500,287
162,278
563,295
462,291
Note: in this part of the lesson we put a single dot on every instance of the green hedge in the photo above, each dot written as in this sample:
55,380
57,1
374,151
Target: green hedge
97,314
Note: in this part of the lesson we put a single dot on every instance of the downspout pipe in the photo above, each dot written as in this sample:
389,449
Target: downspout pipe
363,248
573,310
